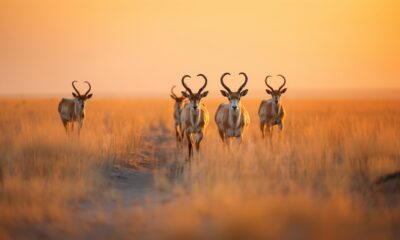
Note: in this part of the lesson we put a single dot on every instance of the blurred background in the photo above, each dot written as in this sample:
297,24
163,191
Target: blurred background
141,48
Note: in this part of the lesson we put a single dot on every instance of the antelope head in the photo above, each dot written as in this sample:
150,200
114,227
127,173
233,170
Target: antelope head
234,97
81,98
178,100
194,98
276,94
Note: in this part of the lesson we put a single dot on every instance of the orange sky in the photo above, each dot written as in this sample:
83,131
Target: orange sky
143,47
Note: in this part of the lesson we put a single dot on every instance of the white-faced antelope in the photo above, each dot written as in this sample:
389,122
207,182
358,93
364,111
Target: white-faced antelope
73,110
232,118
178,106
271,111
194,116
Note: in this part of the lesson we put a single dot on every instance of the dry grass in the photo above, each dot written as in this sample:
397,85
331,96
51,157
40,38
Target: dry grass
312,181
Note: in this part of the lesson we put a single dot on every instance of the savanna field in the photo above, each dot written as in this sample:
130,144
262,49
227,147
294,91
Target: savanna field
125,177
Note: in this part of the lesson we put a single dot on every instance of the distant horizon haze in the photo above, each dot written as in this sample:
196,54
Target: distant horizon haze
215,94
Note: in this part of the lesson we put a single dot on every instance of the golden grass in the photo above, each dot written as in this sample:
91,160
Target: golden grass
314,180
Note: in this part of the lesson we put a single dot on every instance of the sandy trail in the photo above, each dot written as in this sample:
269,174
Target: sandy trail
129,187
138,186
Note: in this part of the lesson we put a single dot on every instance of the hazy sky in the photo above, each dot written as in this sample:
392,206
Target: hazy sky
144,47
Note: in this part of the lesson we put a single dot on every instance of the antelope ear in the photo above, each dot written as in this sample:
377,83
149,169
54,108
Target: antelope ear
204,94
89,96
284,90
224,93
185,94
268,91
74,94
172,96
244,92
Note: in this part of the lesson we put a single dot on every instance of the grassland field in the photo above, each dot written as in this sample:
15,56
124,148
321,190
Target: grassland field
125,177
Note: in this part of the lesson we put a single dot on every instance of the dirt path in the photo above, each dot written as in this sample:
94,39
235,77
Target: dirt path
129,187
137,187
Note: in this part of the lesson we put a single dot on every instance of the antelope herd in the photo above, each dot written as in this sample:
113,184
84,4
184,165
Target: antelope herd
232,118
191,116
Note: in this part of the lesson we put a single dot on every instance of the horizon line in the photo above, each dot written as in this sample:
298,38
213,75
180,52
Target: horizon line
295,94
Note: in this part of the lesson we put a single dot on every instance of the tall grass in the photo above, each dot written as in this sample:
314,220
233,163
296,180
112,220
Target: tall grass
314,180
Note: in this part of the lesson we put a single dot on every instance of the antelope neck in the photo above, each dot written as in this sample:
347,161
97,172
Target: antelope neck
234,116
195,116
276,107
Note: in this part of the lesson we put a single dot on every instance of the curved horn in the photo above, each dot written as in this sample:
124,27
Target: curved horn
73,85
184,84
266,82
90,88
172,91
205,82
245,81
223,84
284,81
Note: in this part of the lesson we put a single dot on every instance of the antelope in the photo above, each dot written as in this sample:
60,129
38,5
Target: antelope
232,118
194,115
271,111
73,110
177,113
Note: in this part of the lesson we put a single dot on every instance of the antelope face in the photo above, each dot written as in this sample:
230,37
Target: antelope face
276,94
195,99
81,98
234,98
178,101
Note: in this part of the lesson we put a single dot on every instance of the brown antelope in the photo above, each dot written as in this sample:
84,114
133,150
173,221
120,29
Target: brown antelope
232,118
73,110
177,113
194,115
271,111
